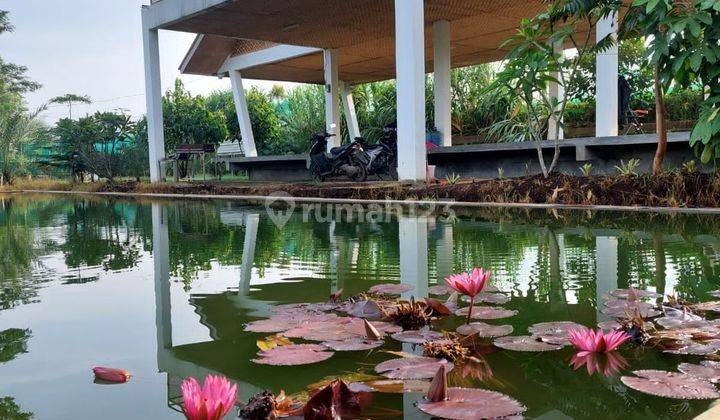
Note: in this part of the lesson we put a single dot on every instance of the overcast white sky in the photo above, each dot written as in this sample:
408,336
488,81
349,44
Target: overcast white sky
92,47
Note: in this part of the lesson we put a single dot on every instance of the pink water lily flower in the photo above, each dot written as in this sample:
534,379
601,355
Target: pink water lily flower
211,402
591,341
469,284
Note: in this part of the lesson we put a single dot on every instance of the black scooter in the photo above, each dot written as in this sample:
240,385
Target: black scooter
348,160
383,154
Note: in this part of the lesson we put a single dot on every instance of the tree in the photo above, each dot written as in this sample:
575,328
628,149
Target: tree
533,63
13,79
188,120
685,50
70,99
18,128
110,140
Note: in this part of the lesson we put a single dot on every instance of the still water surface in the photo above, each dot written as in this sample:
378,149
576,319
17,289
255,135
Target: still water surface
163,289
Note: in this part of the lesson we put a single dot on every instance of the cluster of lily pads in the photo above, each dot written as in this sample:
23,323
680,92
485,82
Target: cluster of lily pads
365,322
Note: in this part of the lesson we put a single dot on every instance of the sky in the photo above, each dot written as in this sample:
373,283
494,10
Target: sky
94,48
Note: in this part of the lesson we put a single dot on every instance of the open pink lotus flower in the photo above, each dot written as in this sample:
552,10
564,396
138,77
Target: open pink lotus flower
469,284
111,374
591,341
211,402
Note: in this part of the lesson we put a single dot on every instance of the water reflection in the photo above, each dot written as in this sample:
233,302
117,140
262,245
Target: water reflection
227,264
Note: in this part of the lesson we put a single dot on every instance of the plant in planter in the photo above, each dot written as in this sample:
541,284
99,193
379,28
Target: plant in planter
535,61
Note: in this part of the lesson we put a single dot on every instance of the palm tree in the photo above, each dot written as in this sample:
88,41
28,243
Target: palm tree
69,99
18,127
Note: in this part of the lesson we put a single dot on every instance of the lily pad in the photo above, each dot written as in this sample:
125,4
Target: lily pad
280,323
609,325
487,312
675,318
525,343
412,367
707,369
391,289
417,337
485,330
713,306
671,385
628,312
368,309
694,348
471,403
293,355
439,290
353,344
555,332
640,294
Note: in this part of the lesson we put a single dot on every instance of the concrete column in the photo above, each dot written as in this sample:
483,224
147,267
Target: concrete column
443,104
410,69
332,98
557,92
153,99
243,114
606,83
414,254
606,270
161,271
350,113
252,220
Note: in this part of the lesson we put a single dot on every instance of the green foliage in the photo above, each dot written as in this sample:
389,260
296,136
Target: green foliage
18,129
107,144
586,169
629,168
304,116
188,120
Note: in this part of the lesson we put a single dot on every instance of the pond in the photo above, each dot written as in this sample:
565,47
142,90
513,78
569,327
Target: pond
164,290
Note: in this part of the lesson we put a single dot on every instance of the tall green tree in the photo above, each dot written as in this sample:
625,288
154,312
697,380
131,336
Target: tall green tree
188,120
18,129
69,99
685,51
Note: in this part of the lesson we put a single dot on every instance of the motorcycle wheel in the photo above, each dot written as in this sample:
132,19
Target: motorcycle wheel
316,173
362,175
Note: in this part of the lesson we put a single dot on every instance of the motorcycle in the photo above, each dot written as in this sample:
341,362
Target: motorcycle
382,155
348,160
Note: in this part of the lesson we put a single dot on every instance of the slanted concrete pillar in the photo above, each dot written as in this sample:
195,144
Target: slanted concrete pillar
161,271
332,98
606,270
443,104
350,112
252,220
606,83
243,114
410,69
153,99
556,92
414,254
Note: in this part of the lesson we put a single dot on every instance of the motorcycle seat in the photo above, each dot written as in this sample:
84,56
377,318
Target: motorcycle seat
335,151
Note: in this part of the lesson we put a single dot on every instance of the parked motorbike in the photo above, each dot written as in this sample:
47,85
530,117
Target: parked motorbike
349,160
382,156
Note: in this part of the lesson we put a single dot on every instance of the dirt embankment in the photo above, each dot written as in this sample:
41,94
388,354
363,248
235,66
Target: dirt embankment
672,189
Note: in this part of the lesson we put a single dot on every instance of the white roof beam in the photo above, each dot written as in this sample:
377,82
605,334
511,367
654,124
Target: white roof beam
166,12
270,55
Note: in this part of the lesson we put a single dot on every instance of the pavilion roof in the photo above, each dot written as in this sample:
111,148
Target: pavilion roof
362,32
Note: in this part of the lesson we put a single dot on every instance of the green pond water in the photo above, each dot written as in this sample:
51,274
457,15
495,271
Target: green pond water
163,290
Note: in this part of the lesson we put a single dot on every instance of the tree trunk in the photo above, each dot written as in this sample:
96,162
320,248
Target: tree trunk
660,124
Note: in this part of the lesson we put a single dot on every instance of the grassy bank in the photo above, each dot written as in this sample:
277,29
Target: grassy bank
672,189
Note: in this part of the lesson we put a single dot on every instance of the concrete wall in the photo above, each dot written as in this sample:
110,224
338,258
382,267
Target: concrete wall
515,159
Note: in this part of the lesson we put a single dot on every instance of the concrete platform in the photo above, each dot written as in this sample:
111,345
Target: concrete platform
514,159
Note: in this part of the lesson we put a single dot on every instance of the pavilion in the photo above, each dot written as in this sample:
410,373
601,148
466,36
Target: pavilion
341,43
